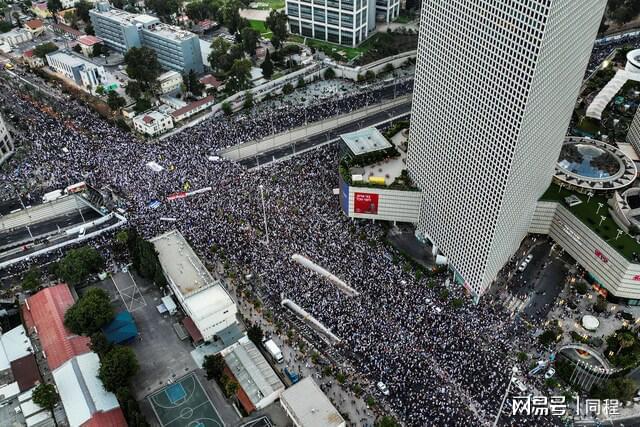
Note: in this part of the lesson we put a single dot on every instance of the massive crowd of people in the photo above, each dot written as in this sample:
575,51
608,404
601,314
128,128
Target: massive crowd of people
443,365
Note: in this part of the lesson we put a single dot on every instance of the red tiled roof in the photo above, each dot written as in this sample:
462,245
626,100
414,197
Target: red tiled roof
89,40
210,80
26,373
192,329
28,53
66,29
34,24
112,418
192,106
148,119
47,309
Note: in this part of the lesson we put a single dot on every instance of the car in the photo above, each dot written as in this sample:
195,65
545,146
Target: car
523,266
529,258
520,385
383,388
551,372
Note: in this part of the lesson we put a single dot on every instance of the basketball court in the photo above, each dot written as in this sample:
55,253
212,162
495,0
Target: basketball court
184,403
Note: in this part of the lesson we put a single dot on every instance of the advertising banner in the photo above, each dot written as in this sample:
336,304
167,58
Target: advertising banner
178,195
365,203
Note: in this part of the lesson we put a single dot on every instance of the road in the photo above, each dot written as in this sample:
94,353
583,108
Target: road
315,141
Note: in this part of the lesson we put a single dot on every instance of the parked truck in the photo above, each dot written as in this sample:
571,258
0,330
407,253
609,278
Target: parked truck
274,351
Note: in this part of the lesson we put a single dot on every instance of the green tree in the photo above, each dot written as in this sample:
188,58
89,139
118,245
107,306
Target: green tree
31,279
100,344
249,38
142,65
100,90
618,388
248,100
239,76
231,16
287,89
82,9
43,49
219,48
115,101
78,264
72,19
89,29
117,368
387,421
90,313
54,6
255,334
98,49
77,48
301,82
133,89
267,66
625,340
142,105
329,74
213,365
165,9
45,396
277,23
192,83
5,26
231,387
226,108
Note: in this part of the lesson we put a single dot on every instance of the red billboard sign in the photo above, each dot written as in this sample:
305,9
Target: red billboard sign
178,195
365,203
602,256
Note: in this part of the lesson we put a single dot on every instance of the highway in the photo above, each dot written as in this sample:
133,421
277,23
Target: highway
324,138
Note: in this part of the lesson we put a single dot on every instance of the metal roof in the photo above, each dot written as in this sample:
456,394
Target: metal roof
309,406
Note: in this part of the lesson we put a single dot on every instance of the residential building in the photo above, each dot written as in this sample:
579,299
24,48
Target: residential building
40,10
84,73
348,22
66,30
209,308
73,365
152,123
211,83
486,130
176,49
193,108
307,406
16,36
169,81
87,43
34,26
32,60
259,385
7,147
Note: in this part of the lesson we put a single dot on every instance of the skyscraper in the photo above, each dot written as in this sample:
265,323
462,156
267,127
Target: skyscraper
496,83
6,142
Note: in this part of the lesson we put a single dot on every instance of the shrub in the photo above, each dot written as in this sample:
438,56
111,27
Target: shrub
287,89
329,74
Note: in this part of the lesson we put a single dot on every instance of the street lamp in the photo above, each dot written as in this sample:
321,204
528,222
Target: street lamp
602,218
264,213
514,371
600,205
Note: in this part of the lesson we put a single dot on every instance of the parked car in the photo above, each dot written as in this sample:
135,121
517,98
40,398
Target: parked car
550,373
529,258
523,266
383,388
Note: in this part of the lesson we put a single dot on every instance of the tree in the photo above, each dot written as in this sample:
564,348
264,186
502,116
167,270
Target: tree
98,49
90,313
115,101
165,9
329,74
287,89
82,9
301,82
72,19
77,48
231,16
54,6
387,421
100,344
117,368
142,105
78,264
5,26
249,38
219,48
625,340
618,388
100,90
43,49
248,100
89,29
133,89
267,66
277,23
231,387
142,65
45,396
239,76
31,279
213,365
255,334
192,83
226,108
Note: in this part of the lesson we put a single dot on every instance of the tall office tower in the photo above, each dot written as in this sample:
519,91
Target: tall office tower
6,142
633,136
496,83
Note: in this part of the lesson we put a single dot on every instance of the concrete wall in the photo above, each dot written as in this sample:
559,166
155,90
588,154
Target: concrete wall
351,73
612,270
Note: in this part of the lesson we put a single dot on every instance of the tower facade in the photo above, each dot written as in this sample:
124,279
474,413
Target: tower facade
6,142
495,87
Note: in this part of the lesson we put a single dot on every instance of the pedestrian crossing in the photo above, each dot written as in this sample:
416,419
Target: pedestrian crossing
515,304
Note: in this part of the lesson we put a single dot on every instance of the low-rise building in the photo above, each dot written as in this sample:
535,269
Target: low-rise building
169,81
32,60
259,385
152,123
34,26
211,83
308,406
193,108
16,37
41,10
209,308
84,73
87,44
66,30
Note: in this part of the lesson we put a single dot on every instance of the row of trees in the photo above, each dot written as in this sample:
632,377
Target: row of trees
214,366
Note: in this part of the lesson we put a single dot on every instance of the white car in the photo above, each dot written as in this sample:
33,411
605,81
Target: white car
529,258
551,372
383,388
523,266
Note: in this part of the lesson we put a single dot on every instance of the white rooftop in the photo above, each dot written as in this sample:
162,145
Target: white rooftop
168,75
253,372
14,345
309,406
209,302
365,141
81,392
8,391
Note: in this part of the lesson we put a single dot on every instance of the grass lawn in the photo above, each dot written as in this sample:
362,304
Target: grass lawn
271,4
261,28
404,19
332,49
586,212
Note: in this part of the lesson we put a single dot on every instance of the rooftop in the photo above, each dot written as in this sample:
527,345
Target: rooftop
14,344
586,212
252,371
309,406
365,141
89,40
34,24
26,373
67,59
193,105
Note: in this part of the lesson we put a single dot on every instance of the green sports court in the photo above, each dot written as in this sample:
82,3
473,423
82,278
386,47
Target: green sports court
184,403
